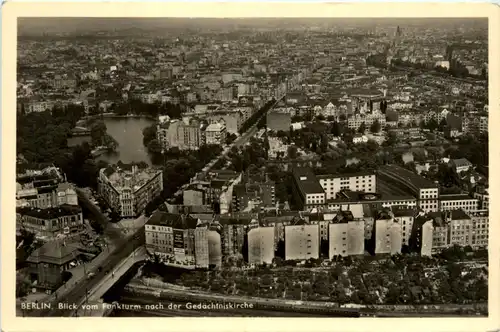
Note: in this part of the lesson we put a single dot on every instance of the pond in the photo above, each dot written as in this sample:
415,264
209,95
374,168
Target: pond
128,133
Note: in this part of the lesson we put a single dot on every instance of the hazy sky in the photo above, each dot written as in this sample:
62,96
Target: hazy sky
71,25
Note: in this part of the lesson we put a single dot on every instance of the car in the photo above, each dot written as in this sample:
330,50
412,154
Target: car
90,275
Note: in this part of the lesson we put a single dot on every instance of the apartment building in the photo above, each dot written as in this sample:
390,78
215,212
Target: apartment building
50,222
422,234
405,217
128,188
185,134
172,238
215,133
475,125
302,241
355,121
261,245
208,247
44,189
346,235
480,228
401,179
387,234
461,227
460,201
482,194
333,184
307,190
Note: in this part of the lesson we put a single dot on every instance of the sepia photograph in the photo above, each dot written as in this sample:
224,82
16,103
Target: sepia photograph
279,167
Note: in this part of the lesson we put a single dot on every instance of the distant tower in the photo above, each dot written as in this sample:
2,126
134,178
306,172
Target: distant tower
398,36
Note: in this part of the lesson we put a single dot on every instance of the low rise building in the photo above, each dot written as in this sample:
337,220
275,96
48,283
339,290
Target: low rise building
47,263
50,222
460,165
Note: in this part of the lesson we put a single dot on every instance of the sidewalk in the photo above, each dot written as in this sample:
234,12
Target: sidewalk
78,273
107,282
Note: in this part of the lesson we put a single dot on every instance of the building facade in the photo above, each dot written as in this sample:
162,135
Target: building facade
302,242
128,189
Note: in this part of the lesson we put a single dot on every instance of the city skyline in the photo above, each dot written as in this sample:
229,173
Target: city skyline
254,167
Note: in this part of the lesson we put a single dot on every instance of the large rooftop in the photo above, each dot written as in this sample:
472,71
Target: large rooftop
129,176
307,181
407,176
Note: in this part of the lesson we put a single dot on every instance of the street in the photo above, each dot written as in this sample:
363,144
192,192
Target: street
78,293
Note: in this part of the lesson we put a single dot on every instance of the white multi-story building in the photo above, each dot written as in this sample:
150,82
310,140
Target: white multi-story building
355,121
261,245
302,242
215,133
346,235
332,184
455,202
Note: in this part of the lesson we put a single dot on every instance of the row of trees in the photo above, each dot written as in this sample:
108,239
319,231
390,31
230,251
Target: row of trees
179,167
256,116
138,107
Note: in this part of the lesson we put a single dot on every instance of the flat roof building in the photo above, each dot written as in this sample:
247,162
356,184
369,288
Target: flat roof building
307,189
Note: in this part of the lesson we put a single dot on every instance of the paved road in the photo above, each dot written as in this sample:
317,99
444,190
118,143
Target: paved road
78,293
123,246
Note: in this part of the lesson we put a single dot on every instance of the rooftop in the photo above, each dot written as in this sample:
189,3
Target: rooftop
50,213
407,176
178,221
348,175
454,197
307,181
55,252
129,176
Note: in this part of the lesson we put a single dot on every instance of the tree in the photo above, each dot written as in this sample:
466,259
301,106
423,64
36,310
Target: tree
432,124
336,129
442,124
292,152
362,128
148,134
375,127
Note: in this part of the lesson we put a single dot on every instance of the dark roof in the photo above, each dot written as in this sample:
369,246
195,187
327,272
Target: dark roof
454,197
177,221
407,176
347,175
403,212
460,162
307,181
54,252
343,217
50,213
